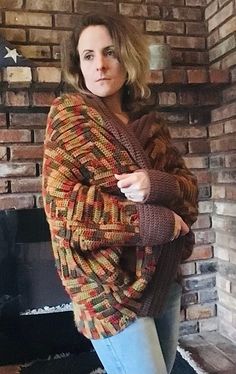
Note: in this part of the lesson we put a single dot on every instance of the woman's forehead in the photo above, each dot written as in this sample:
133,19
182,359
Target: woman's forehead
93,37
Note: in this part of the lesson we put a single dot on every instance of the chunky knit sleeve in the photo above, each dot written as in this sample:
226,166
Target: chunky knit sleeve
81,202
172,183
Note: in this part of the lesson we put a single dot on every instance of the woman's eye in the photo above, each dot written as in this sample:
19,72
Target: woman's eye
110,52
88,57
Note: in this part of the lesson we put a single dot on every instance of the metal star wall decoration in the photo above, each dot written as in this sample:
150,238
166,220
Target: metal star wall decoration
9,56
12,53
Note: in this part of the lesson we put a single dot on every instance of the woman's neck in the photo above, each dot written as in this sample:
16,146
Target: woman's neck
114,103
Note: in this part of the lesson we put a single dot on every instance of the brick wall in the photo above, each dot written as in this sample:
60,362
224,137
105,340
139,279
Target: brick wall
185,96
37,27
221,23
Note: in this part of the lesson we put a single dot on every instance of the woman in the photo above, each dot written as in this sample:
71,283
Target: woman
119,201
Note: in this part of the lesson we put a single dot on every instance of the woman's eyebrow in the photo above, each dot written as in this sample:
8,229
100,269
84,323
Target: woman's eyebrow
87,50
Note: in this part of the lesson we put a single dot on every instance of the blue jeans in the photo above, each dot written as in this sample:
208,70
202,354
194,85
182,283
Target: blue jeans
146,346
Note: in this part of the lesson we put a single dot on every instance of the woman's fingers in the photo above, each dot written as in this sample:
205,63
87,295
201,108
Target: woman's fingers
181,228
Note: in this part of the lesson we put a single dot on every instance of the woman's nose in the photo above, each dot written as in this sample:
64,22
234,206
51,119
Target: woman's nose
100,61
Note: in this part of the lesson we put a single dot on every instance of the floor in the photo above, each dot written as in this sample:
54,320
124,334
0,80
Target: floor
213,352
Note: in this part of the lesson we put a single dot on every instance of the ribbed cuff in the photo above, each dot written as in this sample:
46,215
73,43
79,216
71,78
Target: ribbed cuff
156,224
164,186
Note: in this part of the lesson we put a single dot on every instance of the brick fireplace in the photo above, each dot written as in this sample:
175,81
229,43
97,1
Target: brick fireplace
196,98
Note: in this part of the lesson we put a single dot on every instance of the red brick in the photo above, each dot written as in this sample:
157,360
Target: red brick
8,169
188,268
188,98
195,28
219,76
200,311
218,192
173,76
217,161
200,162
174,118
223,176
89,6
26,185
188,132
210,324
15,136
204,237
220,16
167,98
26,152
227,28
199,146
14,4
155,39
19,76
196,3
230,192
211,9
186,42
203,176
213,38
195,58
3,120
197,76
176,57
203,222
230,126
47,36
28,120
156,77
16,201
18,98
189,298
230,160
43,98
45,5
208,97
35,51
187,13
205,206
28,19
221,49
47,74
181,146
3,189
14,35
225,144
165,26
202,252
233,74
223,112
66,21
39,135
229,94
3,153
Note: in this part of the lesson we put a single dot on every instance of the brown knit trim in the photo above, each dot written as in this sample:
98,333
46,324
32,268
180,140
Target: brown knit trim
156,224
164,187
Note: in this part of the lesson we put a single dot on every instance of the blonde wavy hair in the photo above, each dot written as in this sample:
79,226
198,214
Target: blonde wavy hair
131,49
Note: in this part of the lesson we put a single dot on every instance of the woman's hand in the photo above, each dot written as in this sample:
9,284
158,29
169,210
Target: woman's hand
181,228
135,186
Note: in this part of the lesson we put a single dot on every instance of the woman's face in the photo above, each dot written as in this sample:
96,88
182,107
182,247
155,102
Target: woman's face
103,74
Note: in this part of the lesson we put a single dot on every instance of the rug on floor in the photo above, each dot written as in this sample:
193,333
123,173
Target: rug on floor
87,363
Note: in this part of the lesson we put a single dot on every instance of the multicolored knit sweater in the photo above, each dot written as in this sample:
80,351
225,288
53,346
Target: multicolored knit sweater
115,257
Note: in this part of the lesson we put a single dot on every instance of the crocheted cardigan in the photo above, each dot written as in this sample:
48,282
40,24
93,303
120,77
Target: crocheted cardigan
115,257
